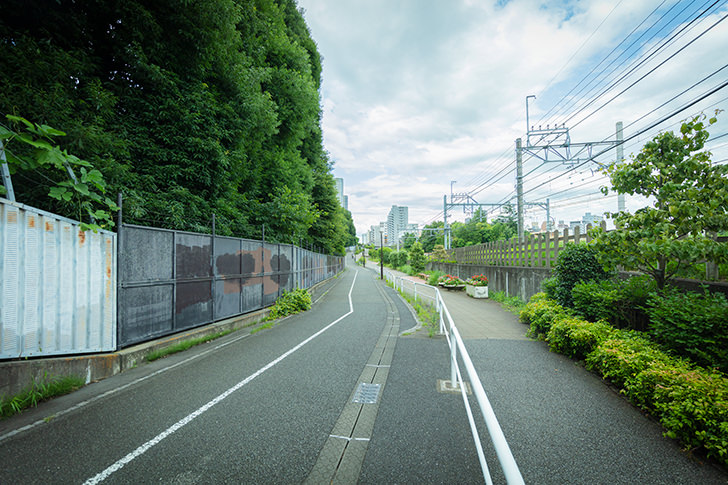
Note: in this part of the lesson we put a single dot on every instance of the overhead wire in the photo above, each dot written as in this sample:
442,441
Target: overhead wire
644,76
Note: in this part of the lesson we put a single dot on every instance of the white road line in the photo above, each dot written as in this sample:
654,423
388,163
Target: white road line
347,438
182,422
81,404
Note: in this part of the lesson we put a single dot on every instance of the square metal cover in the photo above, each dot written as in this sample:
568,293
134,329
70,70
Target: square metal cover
366,393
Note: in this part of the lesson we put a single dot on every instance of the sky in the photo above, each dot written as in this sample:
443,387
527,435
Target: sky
421,97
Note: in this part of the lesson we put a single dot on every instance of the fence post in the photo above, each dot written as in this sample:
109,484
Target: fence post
119,282
453,359
212,267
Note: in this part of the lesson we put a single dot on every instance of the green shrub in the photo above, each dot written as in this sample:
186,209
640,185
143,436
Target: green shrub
398,258
693,408
549,286
620,302
434,277
693,325
691,403
624,356
576,263
291,302
576,337
540,313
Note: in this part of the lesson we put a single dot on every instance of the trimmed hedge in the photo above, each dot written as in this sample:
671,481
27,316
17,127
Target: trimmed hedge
576,337
690,402
540,313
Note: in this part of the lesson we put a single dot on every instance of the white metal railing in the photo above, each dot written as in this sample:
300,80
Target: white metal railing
455,341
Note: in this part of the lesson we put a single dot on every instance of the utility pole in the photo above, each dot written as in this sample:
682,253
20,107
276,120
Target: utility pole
519,187
446,231
620,157
381,255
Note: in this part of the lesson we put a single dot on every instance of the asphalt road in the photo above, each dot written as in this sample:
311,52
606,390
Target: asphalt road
239,414
279,407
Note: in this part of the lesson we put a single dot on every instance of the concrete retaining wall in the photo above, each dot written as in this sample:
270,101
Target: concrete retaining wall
523,282
526,282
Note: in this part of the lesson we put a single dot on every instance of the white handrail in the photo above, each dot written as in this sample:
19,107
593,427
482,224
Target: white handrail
455,341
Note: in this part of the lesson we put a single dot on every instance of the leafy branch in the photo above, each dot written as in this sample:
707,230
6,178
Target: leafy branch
86,191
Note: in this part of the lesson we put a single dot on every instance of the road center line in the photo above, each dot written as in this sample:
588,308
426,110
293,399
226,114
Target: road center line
187,419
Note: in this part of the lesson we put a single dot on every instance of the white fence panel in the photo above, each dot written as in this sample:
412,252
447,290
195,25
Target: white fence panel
57,285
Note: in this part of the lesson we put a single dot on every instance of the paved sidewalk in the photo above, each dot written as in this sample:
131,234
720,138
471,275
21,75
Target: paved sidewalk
564,424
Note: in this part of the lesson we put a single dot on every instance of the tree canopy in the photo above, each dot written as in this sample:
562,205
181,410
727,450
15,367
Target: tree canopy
187,108
689,197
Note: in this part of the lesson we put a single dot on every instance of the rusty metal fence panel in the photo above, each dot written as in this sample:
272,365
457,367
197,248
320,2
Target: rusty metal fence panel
172,280
57,285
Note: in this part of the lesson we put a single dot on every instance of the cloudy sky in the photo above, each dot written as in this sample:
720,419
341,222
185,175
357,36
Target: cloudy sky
419,93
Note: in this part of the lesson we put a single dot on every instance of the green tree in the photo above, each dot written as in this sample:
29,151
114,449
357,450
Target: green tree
417,258
690,201
431,235
408,240
188,108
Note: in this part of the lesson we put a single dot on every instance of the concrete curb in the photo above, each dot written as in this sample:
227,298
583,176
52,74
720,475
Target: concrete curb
17,375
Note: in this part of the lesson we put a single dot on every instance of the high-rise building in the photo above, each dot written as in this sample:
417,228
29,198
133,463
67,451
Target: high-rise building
339,183
396,223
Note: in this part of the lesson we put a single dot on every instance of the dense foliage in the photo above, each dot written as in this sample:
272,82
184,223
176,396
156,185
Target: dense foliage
576,263
187,108
417,258
690,205
477,230
290,302
617,301
690,402
692,325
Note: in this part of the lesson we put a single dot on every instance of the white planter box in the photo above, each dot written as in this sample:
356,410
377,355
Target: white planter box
477,291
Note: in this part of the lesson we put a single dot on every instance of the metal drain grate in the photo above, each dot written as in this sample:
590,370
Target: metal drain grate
366,393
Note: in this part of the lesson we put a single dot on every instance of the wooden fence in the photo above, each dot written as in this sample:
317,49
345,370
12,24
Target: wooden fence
536,251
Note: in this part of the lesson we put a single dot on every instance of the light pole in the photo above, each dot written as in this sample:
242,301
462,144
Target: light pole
528,127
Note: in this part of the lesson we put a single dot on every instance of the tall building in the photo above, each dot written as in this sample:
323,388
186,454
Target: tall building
396,223
343,200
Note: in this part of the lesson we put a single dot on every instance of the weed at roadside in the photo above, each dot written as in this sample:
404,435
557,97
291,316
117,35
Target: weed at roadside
38,391
173,349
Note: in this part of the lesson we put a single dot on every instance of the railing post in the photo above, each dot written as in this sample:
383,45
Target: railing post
415,291
453,359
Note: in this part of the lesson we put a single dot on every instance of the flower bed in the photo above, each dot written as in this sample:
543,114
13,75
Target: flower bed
478,280
451,282
477,286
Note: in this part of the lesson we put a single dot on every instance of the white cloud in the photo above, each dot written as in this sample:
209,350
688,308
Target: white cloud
418,93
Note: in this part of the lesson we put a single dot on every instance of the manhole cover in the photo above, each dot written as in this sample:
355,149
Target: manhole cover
366,393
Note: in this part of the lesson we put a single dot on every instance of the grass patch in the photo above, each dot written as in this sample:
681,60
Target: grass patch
427,315
513,304
173,349
268,324
39,390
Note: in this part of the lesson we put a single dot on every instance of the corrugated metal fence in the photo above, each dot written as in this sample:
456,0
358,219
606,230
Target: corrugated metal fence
57,285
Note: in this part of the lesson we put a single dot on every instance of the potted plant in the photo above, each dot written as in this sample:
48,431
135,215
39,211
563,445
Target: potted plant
451,282
477,286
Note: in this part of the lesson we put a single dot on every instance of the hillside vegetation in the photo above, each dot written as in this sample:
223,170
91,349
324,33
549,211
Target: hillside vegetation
187,108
